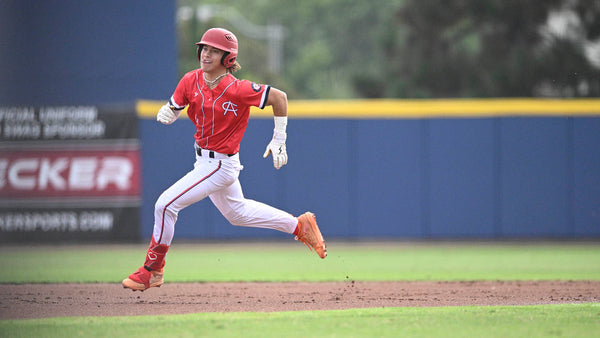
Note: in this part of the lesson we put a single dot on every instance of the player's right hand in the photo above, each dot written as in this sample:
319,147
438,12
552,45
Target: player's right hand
166,115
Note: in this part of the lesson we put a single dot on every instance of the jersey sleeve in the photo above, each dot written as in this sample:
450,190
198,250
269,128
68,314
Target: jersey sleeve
180,97
255,94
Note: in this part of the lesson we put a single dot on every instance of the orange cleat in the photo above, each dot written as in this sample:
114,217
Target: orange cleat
144,279
310,235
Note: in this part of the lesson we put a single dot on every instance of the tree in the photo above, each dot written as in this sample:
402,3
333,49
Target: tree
493,48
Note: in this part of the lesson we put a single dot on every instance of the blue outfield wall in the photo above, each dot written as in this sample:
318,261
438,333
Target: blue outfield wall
86,52
497,176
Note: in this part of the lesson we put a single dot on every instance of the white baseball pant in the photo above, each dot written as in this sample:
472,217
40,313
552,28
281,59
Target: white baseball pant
216,178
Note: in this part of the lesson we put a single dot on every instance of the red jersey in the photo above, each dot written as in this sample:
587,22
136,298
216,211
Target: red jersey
220,114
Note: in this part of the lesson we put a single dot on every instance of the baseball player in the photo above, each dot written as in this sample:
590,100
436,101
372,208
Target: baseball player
219,106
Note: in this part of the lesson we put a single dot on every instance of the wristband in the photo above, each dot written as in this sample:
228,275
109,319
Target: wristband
279,134
280,123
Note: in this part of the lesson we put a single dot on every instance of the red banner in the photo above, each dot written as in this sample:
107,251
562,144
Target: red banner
73,173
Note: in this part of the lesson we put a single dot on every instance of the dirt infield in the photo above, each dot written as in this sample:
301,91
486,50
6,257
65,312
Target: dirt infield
59,300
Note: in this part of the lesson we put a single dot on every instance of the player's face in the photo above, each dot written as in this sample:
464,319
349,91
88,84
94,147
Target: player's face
210,59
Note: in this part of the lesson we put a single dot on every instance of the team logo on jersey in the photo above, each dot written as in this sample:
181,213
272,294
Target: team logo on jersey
256,87
229,107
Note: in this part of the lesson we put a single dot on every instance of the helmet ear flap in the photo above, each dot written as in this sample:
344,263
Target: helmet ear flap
224,60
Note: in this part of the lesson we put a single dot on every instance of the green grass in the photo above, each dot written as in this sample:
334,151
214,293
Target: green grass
292,261
497,321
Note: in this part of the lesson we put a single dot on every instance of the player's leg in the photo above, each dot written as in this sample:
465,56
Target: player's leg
241,211
191,188
206,177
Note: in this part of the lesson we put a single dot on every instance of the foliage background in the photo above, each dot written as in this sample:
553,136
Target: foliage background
339,49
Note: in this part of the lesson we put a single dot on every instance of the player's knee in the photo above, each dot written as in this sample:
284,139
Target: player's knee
235,217
239,212
163,204
159,205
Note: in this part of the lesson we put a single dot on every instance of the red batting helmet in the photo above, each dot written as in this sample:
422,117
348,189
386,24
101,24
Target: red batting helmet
222,39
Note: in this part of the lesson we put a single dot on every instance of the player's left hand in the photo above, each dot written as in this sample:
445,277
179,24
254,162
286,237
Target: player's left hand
277,149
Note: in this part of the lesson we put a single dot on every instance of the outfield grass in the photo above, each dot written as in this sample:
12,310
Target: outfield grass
291,262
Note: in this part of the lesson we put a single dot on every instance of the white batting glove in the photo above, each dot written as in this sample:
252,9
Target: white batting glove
166,115
277,148
277,145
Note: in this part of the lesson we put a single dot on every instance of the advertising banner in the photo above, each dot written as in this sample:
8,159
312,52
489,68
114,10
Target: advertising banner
69,173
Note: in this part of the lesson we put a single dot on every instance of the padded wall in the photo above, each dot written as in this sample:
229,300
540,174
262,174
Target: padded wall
504,177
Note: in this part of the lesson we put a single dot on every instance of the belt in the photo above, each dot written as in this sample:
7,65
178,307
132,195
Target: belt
211,154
